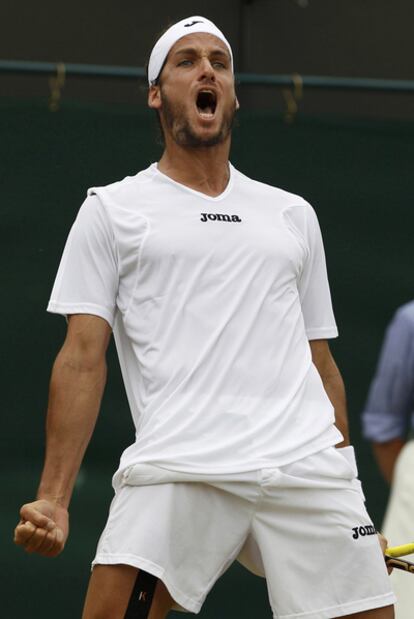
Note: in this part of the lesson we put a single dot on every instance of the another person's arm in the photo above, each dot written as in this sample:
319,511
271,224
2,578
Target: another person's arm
390,400
386,455
76,388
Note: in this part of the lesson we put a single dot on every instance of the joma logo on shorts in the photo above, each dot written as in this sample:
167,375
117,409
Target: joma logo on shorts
218,217
363,531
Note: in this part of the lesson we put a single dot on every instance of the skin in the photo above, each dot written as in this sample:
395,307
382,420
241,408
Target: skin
196,154
75,393
196,148
333,384
386,455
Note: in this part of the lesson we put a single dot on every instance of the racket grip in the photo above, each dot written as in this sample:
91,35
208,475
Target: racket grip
399,564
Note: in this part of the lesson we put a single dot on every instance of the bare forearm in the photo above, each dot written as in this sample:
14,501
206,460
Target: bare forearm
74,400
334,387
386,455
76,388
333,384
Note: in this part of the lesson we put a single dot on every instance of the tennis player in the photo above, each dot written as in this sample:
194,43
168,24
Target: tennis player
215,287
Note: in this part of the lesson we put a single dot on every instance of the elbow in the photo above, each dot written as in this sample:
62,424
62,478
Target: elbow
80,360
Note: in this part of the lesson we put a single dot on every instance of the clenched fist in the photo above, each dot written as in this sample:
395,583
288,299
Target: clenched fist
43,528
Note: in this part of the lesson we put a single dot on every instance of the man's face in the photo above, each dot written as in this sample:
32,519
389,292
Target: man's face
195,96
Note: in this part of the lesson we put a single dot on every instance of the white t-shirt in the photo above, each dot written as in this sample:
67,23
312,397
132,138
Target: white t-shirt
212,301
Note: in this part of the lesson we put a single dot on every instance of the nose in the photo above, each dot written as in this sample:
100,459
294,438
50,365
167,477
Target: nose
206,69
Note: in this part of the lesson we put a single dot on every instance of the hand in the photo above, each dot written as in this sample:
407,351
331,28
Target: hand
43,528
383,542
384,545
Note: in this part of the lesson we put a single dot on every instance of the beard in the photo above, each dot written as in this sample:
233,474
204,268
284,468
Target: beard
183,133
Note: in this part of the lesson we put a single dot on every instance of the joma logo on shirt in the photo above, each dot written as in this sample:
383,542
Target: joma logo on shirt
218,217
362,531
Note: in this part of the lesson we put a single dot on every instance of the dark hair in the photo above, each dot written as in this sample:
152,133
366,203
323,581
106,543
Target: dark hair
159,137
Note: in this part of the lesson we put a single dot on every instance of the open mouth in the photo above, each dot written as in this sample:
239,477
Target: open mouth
206,103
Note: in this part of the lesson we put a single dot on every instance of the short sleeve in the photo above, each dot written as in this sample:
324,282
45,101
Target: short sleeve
87,279
390,403
313,285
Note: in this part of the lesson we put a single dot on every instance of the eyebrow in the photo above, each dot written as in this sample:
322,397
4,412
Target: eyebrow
194,50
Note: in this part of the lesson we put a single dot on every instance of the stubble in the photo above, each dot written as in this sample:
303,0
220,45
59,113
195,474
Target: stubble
183,133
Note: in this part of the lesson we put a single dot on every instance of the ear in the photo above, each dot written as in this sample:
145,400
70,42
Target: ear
154,97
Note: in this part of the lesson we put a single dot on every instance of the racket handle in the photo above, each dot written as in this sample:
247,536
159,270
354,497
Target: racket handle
400,564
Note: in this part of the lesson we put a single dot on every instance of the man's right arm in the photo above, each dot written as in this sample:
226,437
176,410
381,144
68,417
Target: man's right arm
76,389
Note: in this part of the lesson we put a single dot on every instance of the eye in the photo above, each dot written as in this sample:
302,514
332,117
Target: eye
217,64
185,63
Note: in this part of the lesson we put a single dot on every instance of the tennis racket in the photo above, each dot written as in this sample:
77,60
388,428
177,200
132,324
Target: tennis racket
392,557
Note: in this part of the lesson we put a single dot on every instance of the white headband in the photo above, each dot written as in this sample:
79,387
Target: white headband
177,31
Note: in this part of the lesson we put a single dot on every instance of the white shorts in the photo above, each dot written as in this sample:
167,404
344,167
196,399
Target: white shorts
303,526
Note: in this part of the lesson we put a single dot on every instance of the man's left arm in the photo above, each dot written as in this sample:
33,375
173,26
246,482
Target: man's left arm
334,387
333,384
